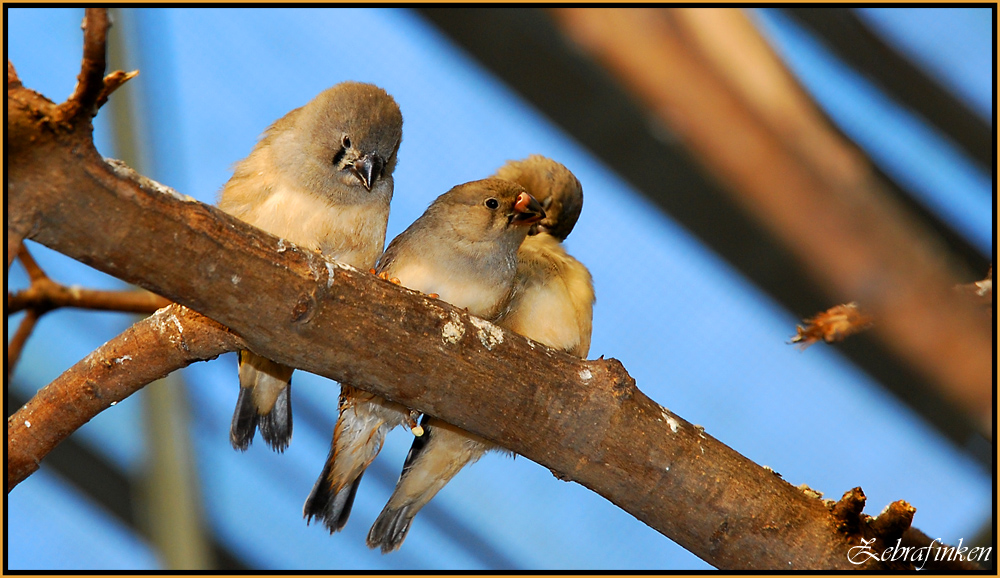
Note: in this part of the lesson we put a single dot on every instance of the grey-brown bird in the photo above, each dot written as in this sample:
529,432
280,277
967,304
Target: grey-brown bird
552,303
321,178
553,299
463,249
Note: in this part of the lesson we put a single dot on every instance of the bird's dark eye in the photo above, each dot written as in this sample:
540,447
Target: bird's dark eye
346,142
492,203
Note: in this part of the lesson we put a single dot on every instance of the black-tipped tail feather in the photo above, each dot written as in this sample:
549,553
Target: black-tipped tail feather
244,421
392,524
276,425
332,508
390,528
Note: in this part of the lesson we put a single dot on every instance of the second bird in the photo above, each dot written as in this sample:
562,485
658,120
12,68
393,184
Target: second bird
321,178
552,302
463,249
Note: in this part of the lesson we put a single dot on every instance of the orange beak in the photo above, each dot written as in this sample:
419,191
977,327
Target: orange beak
527,210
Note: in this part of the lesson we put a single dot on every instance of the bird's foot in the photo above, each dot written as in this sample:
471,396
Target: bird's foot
411,421
385,276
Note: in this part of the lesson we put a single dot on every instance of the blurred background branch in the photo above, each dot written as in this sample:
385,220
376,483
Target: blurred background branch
833,213
170,501
862,48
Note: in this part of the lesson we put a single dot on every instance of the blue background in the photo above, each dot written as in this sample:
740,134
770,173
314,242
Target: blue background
698,337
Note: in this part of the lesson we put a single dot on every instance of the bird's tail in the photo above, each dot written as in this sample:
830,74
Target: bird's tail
331,506
244,421
276,425
390,528
265,401
361,428
434,459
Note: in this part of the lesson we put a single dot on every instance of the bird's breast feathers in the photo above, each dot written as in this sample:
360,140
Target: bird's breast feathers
351,233
478,295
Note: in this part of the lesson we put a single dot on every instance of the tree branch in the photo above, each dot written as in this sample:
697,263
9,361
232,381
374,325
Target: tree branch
46,295
83,103
17,342
171,338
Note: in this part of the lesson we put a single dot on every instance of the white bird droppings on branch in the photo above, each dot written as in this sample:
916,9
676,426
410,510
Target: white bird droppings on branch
489,334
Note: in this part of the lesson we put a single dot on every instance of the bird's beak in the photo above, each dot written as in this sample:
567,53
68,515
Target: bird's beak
527,210
367,169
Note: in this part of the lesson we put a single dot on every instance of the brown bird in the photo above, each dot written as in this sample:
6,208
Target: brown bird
463,248
552,303
321,178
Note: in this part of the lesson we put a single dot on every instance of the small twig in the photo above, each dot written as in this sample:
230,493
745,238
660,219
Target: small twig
172,338
893,521
112,82
27,326
46,295
839,322
35,272
17,342
832,325
979,292
90,82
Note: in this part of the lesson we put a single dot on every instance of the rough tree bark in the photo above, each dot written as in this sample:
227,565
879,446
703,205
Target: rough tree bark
585,420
